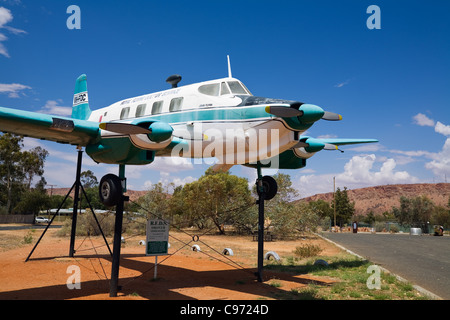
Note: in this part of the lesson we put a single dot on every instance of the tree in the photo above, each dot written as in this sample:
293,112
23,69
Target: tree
415,212
88,179
32,164
344,208
18,168
215,198
322,208
441,216
10,146
90,186
156,202
35,200
286,217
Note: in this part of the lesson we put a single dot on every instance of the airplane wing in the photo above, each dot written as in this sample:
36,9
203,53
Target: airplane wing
340,142
48,127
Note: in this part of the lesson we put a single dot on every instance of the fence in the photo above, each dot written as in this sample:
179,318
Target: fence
17,218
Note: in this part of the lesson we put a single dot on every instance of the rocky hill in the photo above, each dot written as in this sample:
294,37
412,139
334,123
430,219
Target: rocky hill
377,199
382,198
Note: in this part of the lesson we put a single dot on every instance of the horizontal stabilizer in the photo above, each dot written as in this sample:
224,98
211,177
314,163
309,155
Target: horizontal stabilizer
341,142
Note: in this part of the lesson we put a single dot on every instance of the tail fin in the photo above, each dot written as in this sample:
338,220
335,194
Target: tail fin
80,108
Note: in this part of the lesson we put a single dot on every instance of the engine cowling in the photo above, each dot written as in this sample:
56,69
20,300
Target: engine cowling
160,131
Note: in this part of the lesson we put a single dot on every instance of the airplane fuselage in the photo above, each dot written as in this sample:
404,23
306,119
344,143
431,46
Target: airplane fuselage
218,118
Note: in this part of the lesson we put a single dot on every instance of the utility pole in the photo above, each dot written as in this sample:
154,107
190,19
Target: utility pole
334,200
51,188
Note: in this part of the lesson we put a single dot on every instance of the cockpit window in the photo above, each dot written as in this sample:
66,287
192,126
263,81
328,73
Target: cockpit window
224,89
210,89
237,88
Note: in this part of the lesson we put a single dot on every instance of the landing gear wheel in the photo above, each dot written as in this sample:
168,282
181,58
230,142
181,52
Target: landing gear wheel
270,187
110,190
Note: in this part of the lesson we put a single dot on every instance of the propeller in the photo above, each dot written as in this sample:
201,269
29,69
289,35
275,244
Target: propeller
331,116
308,112
124,128
284,111
158,131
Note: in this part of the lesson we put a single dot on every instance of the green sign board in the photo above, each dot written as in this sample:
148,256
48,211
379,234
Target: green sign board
157,238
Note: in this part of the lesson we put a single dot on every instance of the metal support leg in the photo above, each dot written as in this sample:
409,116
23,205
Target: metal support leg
114,283
260,225
75,204
48,225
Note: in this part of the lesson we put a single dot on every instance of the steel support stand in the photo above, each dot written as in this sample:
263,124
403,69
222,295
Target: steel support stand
260,202
75,204
96,220
114,283
77,185
48,225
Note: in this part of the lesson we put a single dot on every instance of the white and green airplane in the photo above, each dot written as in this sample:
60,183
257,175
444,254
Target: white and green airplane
213,119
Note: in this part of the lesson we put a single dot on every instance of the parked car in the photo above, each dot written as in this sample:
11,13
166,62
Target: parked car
42,220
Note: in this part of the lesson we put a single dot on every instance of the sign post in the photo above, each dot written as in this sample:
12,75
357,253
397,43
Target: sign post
157,242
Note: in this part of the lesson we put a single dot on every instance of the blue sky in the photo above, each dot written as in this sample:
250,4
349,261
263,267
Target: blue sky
391,84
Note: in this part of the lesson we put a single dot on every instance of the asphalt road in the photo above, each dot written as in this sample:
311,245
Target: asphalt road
422,260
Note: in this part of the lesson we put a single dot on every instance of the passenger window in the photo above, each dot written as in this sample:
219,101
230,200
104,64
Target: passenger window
157,107
140,110
210,89
175,104
124,113
224,89
236,87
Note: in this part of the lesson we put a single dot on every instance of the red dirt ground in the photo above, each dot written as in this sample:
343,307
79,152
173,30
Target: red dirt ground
182,275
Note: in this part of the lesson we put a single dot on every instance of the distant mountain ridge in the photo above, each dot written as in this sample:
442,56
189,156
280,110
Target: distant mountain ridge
382,198
377,199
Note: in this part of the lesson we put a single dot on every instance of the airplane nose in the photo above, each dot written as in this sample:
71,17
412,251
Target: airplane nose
311,113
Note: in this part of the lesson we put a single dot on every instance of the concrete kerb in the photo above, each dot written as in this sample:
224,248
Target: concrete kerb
416,287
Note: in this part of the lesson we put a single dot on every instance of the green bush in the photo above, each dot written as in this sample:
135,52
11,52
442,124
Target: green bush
86,225
307,250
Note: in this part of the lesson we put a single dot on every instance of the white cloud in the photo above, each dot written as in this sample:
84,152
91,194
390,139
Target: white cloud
341,84
442,129
172,164
52,107
422,120
358,172
5,18
13,89
440,165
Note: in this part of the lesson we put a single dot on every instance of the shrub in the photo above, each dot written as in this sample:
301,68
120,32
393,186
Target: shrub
86,224
307,250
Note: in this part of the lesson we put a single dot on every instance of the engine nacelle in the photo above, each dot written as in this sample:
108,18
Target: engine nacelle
161,131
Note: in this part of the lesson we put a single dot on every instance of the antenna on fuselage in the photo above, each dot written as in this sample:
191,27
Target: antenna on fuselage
173,80
229,67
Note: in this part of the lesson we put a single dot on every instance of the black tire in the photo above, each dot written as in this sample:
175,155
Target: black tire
270,187
110,190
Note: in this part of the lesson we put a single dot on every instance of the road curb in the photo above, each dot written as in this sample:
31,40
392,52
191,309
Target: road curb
416,287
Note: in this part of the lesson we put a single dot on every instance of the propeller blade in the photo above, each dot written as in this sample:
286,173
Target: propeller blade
331,116
124,128
283,111
301,144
